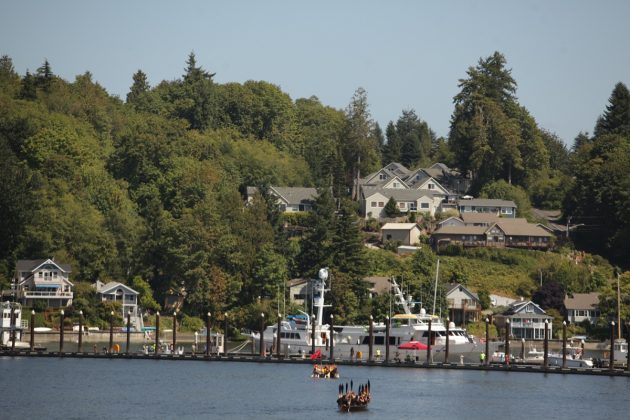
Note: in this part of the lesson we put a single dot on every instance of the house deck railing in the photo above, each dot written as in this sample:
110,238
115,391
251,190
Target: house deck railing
33,294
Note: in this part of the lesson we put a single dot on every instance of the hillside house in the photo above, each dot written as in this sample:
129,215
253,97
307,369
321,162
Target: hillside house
405,233
463,305
527,320
582,307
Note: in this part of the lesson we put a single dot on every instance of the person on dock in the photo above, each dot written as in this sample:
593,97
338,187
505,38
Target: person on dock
351,354
482,357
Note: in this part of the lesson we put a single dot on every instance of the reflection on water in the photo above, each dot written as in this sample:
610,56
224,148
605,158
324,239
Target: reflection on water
143,389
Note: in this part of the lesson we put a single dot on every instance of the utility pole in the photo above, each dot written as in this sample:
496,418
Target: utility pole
617,270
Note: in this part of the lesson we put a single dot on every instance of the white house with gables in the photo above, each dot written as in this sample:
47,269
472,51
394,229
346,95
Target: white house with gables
43,280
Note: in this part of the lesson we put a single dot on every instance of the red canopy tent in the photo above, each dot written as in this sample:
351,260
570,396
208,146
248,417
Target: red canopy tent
413,345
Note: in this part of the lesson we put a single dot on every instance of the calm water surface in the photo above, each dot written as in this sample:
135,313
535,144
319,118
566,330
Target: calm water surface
145,389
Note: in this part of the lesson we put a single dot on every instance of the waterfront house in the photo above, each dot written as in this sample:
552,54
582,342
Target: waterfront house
527,320
118,292
43,280
582,307
377,285
463,305
405,233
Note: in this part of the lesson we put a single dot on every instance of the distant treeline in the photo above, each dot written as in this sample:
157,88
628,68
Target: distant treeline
152,187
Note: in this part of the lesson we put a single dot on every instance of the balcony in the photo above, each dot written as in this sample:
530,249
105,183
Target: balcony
46,295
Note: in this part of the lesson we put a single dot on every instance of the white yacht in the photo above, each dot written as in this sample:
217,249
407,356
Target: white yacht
296,333
574,357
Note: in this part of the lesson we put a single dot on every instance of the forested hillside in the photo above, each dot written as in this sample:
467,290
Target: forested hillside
150,188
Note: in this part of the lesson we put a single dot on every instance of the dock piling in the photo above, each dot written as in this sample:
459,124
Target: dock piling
61,331
546,345
174,332
429,344
32,340
262,335
487,359
448,325
313,334
371,342
128,332
387,339
332,341
564,344
111,332
278,342
208,334
80,345
225,337
157,334
507,342
612,345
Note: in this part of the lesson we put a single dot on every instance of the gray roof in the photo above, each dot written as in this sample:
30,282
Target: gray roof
461,230
113,285
296,195
30,265
522,229
292,195
396,193
486,202
582,301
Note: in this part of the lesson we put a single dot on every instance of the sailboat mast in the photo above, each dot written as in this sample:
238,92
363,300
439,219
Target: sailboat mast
437,273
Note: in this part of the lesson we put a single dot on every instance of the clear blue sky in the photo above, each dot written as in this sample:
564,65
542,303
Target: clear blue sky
566,55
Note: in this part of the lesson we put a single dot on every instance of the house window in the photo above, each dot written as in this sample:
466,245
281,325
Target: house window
506,210
41,274
396,184
424,205
431,186
381,204
373,204
402,205
382,176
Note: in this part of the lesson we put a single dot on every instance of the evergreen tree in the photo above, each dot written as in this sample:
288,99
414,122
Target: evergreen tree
391,209
491,135
359,147
349,252
9,79
45,76
318,241
616,118
139,88
392,149
29,87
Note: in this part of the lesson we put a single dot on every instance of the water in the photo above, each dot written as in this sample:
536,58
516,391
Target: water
33,388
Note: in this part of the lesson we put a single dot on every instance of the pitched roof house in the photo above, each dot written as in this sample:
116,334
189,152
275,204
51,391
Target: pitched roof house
582,307
406,233
289,199
463,305
527,320
504,208
43,280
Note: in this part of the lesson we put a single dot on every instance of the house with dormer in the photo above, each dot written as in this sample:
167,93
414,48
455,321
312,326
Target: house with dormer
527,320
43,280
127,297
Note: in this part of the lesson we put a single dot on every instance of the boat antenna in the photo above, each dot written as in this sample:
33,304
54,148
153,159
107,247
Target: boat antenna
437,274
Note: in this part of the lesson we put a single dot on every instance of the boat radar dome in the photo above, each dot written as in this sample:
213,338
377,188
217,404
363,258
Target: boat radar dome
451,325
423,311
323,274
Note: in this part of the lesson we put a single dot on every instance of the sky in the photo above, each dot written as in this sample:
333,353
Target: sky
566,55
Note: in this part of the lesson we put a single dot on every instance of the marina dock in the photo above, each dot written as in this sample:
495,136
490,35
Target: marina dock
255,358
